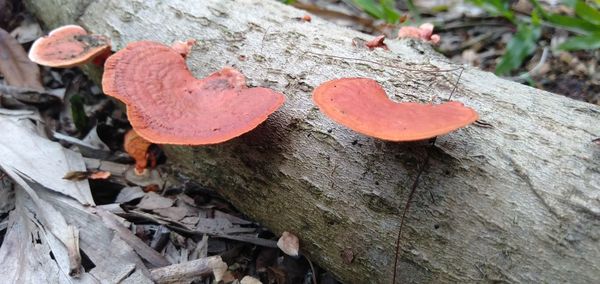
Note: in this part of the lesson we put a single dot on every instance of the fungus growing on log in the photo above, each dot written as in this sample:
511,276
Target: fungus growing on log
362,105
423,32
68,46
167,105
138,148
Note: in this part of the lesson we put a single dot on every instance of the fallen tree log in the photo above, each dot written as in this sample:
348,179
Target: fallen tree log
517,197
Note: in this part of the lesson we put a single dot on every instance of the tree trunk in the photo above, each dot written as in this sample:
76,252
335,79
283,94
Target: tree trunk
515,199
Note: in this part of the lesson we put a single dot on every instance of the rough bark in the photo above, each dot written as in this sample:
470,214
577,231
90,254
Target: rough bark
516,199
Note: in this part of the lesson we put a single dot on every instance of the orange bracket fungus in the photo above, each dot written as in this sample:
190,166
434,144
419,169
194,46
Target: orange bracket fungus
139,149
167,105
68,46
362,105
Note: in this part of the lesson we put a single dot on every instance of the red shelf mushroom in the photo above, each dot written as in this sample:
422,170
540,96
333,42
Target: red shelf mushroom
139,149
167,105
68,46
362,105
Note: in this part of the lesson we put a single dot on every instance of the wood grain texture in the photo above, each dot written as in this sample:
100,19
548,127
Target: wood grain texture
518,201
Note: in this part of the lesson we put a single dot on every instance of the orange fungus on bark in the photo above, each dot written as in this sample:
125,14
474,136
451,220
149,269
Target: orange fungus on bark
68,46
166,104
362,105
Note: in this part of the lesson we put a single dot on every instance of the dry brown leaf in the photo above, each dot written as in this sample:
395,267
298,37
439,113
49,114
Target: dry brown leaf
15,66
289,244
81,175
99,175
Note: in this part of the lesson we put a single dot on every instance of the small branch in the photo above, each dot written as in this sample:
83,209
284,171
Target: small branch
188,271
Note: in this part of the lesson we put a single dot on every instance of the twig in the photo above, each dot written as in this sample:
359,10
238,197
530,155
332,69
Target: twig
413,189
312,268
28,95
456,85
187,271
415,184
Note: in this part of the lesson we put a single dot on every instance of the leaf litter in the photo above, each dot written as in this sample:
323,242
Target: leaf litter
73,209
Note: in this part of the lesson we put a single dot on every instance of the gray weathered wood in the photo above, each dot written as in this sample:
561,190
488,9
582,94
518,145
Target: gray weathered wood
518,201
188,271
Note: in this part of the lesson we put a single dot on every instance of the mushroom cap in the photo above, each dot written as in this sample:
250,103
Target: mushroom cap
167,105
68,46
362,105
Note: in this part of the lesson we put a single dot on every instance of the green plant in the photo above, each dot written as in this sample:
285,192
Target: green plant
585,23
380,9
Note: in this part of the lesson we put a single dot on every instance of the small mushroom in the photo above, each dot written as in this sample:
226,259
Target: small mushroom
68,46
167,105
362,105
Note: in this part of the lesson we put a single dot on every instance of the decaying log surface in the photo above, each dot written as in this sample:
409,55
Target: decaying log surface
516,199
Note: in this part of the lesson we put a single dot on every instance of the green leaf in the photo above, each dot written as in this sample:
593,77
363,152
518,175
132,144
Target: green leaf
384,9
77,111
520,46
591,41
571,22
587,13
570,3
496,8
389,10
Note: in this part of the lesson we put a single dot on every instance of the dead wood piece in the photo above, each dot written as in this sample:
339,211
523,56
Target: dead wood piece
187,271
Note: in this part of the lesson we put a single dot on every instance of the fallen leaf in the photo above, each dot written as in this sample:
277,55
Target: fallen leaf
250,280
289,244
172,213
149,177
99,175
82,175
152,201
129,193
27,31
41,160
15,66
